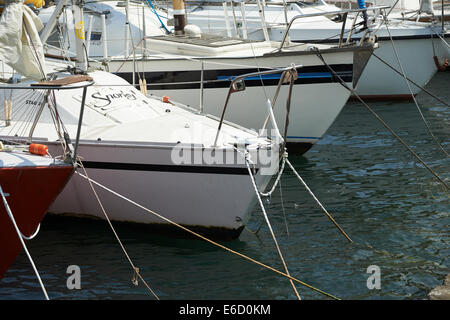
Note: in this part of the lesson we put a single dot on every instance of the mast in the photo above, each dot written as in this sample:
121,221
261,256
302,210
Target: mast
127,28
77,9
179,16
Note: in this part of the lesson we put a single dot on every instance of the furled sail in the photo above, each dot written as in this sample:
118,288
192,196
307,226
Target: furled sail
20,45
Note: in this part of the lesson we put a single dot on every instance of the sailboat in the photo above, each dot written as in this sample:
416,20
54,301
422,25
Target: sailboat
190,168
30,177
197,68
415,44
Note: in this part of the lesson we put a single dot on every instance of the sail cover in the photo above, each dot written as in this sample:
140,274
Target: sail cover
20,45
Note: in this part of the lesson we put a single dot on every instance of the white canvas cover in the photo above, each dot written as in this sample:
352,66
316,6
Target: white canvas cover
20,45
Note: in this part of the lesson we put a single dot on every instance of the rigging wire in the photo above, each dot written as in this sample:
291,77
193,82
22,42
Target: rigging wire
341,81
20,235
135,269
410,90
247,162
205,238
410,80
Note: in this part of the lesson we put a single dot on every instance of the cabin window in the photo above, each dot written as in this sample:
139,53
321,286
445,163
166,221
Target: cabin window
95,36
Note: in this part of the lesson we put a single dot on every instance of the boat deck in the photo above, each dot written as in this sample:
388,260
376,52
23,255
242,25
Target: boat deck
21,158
207,40
205,44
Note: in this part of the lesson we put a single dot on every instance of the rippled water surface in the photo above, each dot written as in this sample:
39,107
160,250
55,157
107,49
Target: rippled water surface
394,210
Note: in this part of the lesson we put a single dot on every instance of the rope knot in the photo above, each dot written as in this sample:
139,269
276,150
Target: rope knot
135,279
248,157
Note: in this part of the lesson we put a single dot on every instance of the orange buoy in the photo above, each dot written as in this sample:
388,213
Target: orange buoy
39,149
165,99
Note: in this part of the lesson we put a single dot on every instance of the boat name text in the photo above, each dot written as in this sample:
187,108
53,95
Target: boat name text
107,99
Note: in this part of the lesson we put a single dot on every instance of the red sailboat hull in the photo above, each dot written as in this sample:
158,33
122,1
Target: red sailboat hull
31,190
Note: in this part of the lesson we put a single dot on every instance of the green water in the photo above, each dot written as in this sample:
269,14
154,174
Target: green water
394,210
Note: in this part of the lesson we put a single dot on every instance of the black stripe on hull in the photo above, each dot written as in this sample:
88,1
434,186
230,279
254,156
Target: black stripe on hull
164,168
386,38
175,80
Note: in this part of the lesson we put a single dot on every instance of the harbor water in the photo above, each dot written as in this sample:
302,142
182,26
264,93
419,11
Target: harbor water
396,212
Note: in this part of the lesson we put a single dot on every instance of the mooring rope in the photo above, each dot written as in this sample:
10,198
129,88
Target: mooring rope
282,208
318,202
21,236
205,238
135,269
341,81
410,90
268,223
278,181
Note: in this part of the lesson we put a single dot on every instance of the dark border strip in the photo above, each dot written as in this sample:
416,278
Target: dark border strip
220,78
164,168
384,38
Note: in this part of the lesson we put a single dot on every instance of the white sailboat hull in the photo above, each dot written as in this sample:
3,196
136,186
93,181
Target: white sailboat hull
164,157
380,82
215,201
311,113
170,62
413,42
